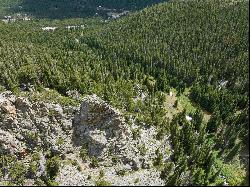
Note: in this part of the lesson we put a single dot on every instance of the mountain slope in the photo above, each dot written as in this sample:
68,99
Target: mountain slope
197,44
189,39
71,9
143,64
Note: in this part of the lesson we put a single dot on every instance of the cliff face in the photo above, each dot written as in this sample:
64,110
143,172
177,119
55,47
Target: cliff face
88,145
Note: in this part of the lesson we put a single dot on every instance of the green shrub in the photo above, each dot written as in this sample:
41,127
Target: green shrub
39,182
35,157
29,74
84,152
94,162
52,183
115,159
17,173
143,149
176,104
33,167
52,167
101,174
137,180
121,172
136,133
2,89
158,161
60,141
102,183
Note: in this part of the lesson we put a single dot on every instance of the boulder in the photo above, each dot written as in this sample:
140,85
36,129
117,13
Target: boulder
7,107
23,104
9,143
99,125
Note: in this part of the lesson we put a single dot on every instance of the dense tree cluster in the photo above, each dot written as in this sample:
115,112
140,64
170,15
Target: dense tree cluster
71,9
197,44
200,155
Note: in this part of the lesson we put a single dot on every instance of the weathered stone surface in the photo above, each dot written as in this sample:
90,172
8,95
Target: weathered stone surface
23,104
27,126
74,94
99,125
104,130
32,125
7,107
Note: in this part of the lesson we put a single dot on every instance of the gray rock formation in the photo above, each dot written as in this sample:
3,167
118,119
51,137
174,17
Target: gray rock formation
26,126
100,126
37,127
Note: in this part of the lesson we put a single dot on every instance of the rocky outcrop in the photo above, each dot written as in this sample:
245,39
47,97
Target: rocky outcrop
107,135
7,107
100,126
28,127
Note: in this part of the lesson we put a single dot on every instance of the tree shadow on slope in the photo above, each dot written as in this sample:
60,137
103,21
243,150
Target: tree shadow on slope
60,9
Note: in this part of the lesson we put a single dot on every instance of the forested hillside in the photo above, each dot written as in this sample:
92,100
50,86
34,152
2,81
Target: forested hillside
198,49
6,7
71,9
197,44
